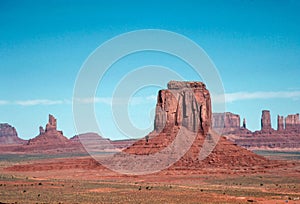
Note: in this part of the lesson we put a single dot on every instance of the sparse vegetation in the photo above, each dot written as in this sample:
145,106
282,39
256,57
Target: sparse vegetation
36,187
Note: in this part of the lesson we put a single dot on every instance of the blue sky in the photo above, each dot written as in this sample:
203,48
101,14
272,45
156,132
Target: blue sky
255,46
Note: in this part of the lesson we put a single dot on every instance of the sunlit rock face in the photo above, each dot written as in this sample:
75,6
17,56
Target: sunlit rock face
186,104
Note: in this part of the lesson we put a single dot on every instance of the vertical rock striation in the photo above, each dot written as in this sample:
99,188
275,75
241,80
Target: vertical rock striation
266,121
227,120
292,122
186,104
280,123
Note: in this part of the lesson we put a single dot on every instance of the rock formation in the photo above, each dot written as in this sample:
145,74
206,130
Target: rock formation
51,125
9,135
42,131
226,122
184,104
266,121
244,123
50,136
280,123
286,137
292,122
186,107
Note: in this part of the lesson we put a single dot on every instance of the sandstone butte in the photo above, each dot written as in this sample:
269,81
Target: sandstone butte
9,135
186,107
285,138
50,140
50,135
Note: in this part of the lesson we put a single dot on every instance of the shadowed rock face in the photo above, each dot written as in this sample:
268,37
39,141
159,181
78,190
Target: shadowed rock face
186,104
9,135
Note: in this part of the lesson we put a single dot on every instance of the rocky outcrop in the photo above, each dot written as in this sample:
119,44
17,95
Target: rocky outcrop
51,125
41,129
280,123
50,136
266,121
244,123
292,123
182,110
186,104
286,137
226,122
9,135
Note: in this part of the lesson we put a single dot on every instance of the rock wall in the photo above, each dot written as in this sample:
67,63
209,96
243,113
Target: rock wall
266,121
186,104
228,120
229,123
280,123
292,122
9,135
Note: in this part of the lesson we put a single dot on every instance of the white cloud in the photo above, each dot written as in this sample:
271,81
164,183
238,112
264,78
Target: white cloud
103,100
2,102
39,102
238,96
137,100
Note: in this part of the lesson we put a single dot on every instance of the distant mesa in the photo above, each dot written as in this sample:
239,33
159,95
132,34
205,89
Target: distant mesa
50,140
9,135
228,123
285,137
292,123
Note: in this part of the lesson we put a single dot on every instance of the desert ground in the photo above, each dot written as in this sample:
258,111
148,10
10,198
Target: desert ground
77,178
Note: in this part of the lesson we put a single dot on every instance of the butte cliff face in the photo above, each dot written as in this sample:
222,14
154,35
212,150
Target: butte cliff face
186,107
227,123
286,137
49,136
292,123
9,135
186,104
266,121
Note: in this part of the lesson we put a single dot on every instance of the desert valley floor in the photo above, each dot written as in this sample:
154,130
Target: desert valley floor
68,178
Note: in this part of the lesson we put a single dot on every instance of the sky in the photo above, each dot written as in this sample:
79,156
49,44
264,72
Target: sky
255,46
